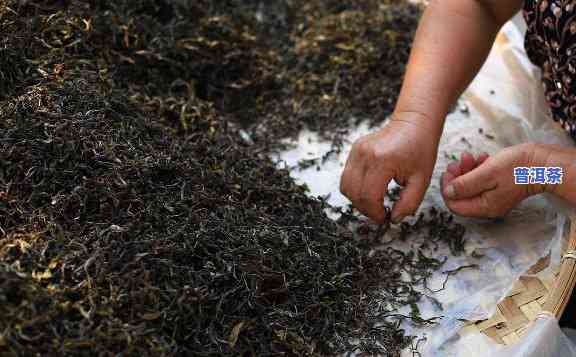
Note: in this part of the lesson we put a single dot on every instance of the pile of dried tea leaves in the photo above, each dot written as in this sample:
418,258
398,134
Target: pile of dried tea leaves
139,213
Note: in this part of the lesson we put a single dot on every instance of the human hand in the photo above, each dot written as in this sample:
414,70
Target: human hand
404,150
484,186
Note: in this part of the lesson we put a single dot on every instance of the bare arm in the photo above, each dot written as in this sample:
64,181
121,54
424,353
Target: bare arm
452,42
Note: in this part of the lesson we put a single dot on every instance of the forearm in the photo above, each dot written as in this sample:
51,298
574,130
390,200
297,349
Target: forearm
453,40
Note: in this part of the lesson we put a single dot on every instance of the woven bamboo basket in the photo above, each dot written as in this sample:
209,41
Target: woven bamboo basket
531,297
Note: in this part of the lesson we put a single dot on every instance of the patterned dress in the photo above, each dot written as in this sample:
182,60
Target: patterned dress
551,44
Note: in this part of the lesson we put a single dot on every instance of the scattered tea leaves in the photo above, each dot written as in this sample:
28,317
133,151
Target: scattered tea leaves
139,212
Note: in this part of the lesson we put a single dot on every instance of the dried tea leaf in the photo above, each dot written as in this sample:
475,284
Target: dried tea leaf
134,143
152,316
233,338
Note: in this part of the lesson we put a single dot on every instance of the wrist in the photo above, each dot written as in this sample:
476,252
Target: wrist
536,155
431,125
551,156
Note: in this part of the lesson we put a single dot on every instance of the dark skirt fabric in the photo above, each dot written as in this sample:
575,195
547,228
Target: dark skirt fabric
551,45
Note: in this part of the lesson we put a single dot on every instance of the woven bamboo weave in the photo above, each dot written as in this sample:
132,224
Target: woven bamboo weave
530,297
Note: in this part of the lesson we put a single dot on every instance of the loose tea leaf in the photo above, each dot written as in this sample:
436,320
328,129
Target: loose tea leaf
139,211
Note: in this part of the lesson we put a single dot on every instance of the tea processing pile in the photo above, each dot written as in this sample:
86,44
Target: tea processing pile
139,212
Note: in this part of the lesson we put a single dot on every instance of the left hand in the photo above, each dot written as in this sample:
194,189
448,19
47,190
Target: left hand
484,186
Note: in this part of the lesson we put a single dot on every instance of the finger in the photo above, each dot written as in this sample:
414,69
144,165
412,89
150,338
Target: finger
467,162
471,184
476,206
482,157
410,198
454,168
352,177
445,179
371,199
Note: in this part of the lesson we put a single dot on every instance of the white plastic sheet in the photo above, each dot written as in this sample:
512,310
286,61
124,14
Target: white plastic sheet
505,102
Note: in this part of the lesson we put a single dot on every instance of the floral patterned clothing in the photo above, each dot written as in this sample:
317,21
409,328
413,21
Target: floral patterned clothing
551,44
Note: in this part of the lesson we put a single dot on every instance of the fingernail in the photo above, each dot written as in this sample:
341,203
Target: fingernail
450,193
397,219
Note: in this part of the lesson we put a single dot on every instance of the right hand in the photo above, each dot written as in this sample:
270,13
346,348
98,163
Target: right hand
404,150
